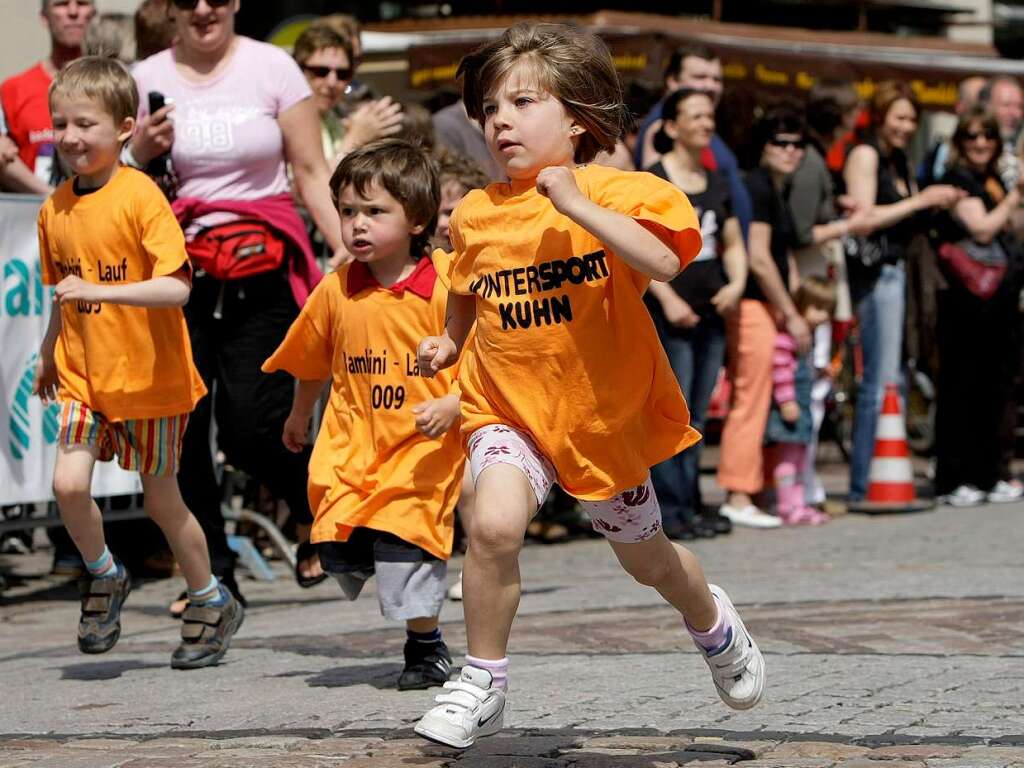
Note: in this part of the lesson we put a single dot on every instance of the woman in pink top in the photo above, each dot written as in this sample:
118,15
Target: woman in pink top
238,111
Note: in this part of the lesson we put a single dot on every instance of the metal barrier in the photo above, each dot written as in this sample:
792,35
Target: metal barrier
277,539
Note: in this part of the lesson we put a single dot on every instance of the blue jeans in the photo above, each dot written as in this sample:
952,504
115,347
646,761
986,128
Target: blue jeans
696,356
880,316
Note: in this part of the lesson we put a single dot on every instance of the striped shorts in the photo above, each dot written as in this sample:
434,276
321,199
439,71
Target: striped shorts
146,446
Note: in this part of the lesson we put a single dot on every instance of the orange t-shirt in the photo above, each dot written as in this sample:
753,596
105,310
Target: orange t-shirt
370,466
125,362
564,347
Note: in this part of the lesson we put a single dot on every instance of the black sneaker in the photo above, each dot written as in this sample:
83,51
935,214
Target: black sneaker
206,632
426,665
717,520
100,624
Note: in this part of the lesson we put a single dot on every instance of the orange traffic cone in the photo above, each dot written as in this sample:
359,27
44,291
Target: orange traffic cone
891,476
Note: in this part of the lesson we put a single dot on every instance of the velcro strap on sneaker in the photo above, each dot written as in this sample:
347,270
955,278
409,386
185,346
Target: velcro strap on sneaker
193,632
96,604
197,614
99,587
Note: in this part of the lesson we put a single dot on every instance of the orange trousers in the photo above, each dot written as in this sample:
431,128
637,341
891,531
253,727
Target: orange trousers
750,335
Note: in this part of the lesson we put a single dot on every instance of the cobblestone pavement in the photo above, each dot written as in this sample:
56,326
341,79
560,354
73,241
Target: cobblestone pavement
890,641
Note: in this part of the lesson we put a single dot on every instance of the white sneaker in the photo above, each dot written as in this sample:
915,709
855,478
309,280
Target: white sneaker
750,516
455,590
468,709
737,669
965,496
1004,492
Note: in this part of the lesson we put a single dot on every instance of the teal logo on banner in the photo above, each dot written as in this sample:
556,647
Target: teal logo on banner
20,426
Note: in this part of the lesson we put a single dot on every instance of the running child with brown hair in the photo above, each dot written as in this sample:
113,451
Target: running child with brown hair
386,466
565,380
117,355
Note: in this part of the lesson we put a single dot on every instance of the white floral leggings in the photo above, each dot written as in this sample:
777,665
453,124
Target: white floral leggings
630,517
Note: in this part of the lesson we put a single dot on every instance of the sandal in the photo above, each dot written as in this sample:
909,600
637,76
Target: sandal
304,552
206,633
99,626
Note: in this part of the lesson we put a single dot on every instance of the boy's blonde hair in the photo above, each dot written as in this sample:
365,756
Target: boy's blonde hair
100,79
408,174
817,292
571,64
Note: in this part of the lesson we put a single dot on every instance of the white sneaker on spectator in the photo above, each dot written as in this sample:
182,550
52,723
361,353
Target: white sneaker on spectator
738,668
750,516
965,496
1004,492
455,590
467,709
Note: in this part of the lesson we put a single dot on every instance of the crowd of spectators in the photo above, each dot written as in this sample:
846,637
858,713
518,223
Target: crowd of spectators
798,253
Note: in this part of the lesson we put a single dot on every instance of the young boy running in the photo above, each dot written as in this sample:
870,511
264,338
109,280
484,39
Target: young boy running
117,356
386,467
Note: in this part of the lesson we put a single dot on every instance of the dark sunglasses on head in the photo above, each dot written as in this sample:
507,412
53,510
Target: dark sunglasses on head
783,143
190,5
975,135
342,73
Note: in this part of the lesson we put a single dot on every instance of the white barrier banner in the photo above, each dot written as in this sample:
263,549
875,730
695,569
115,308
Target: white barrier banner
28,430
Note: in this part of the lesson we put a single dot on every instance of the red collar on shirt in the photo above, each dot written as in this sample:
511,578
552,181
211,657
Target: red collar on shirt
420,282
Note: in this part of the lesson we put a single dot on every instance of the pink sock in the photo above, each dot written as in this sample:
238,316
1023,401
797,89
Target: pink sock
498,669
716,637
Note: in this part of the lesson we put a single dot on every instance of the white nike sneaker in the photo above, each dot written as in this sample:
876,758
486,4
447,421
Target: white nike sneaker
737,669
750,516
468,709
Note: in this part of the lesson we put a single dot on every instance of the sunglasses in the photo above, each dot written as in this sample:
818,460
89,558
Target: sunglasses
342,73
783,143
190,5
975,135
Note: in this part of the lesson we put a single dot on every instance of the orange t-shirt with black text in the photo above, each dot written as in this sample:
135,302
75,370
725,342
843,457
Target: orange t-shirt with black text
125,362
564,348
370,466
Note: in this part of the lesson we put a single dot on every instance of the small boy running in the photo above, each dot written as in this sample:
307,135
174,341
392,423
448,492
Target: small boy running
117,357
386,467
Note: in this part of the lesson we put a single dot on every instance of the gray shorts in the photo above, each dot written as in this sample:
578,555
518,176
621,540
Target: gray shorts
410,580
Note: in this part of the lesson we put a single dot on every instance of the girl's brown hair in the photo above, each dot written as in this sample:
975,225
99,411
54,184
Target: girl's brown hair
408,174
887,94
979,116
571,64
817,292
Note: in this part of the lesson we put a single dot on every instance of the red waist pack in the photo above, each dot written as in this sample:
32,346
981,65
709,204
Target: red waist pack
237,249
979,268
